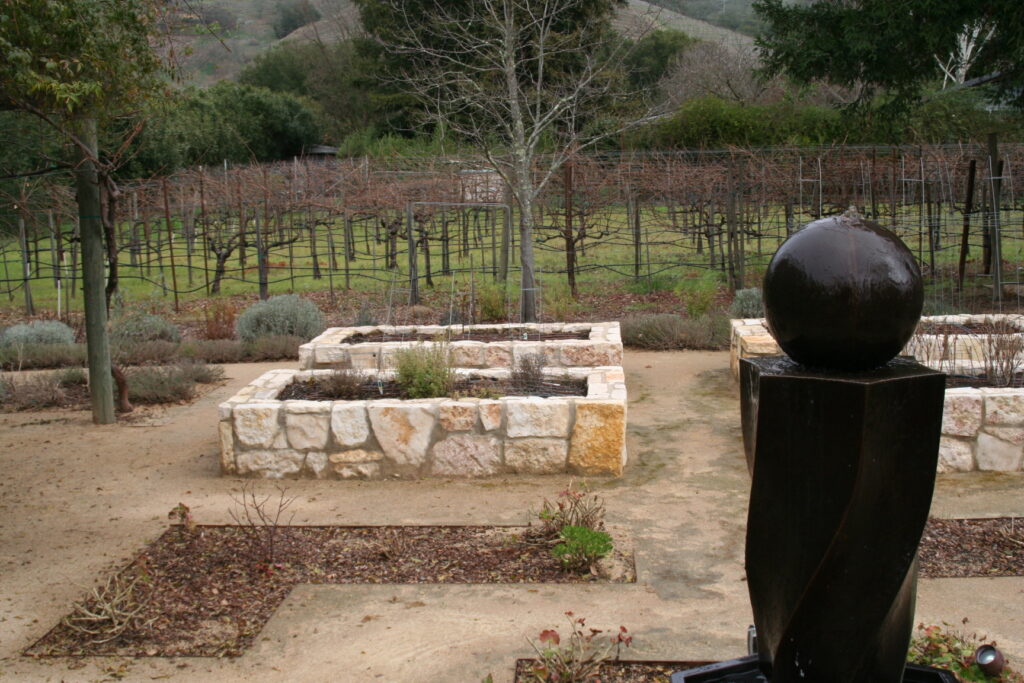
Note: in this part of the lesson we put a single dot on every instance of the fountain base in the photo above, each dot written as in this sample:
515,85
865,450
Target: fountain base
747,670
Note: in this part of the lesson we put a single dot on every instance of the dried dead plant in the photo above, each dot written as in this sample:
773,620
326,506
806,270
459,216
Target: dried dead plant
572,507
393,545
345,384
110,611
1003,349
528,371
259,518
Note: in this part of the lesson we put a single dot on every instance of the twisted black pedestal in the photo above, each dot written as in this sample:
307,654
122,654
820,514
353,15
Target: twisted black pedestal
843,470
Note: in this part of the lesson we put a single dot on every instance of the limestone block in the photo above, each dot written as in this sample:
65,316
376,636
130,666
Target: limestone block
961,414
552,356
224,410
349,424
598,444
521,350
307,424
758,345
403,431
363,356
457,416
585,354
256,424
468,354
1004,406
490,414
316,465
227,448
331,354
955,455
306,356
536,456
362,470
275,464
597,390
615,375
537,417
466,455
498,355
355,456
1000,449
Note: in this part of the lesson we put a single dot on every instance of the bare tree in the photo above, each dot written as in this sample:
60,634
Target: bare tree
969,44
519,82
726,71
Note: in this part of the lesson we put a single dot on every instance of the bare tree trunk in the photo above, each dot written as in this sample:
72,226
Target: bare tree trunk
98,345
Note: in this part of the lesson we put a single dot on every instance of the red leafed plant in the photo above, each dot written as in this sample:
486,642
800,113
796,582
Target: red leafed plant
578,660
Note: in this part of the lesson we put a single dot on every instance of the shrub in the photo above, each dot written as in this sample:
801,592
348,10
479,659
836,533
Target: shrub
558,302
699,294
201,373
747,304
650,285
37,332
219,320
425,370
274,347
42,356
153,352
667,331
213,351
287,314
165,384
581,547
142,327
365,316
490,302
71,377
35,392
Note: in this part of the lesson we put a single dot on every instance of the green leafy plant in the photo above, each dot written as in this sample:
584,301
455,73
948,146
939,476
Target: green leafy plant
947,648
490,301
37,332
287,314
747,304
581,547
572,507
580,657
425,370
699,294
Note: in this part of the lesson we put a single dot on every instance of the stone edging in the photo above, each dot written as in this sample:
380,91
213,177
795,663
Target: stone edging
262,436
603,348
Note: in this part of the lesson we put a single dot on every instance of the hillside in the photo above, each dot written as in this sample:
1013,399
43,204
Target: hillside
246,29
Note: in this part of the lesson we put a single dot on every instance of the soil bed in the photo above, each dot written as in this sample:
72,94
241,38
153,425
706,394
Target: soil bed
472,387
620,672
949,329
960,548
209,592
483,335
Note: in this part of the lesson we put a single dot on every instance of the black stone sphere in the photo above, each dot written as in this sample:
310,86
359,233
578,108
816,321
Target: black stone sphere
843,293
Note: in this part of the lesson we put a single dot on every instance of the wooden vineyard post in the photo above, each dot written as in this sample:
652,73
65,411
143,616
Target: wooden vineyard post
968,209
170,244
26,266
414,294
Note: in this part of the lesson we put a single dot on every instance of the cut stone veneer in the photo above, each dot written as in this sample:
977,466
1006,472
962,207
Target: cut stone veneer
982,429
602,348
262,436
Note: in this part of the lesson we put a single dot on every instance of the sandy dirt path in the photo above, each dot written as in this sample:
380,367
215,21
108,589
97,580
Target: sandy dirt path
77,501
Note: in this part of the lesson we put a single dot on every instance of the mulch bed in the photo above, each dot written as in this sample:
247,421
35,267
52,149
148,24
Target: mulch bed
471,387
208,592
620,672
972,548
483,335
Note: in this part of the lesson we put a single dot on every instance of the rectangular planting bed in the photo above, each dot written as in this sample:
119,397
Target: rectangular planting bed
563,345
265,436
982,427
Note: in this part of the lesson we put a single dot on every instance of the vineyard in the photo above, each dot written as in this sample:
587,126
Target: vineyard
398,228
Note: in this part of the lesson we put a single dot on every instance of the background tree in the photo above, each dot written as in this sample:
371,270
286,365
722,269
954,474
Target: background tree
896,48
72,64
526,82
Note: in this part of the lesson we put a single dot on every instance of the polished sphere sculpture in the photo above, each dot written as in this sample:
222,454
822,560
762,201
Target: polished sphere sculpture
843,293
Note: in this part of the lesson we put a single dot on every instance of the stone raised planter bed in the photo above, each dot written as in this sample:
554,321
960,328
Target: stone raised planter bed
600,346
982,428
262,436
